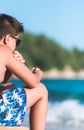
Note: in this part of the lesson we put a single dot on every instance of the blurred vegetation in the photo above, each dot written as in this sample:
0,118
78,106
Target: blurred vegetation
40,51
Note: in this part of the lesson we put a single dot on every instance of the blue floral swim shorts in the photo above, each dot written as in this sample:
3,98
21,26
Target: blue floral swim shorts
12,107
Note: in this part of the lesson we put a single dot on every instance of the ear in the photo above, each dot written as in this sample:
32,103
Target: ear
7,38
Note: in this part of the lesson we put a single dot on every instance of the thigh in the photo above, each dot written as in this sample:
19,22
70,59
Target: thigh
33,95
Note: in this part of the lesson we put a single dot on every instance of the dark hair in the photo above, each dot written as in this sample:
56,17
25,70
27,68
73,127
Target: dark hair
9,25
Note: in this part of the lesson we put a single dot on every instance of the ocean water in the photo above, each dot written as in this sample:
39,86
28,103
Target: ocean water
65,104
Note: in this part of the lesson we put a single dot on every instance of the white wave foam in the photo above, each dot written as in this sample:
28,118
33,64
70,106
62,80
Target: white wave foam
70,112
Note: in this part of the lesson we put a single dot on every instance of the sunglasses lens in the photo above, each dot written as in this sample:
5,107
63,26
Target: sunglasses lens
18,42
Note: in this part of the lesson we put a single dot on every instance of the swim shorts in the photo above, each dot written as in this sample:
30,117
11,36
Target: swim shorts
12,107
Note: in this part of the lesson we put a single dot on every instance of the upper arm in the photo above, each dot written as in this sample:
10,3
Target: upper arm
20,69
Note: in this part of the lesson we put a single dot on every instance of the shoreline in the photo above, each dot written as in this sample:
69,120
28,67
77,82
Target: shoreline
68,73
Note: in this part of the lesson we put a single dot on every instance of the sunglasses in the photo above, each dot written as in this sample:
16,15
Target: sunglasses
18,41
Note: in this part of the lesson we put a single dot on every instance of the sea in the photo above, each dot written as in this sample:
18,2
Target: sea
65,104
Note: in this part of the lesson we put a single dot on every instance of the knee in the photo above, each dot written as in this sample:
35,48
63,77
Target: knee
44,91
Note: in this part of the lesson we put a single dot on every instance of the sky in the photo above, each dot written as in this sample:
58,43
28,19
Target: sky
59,20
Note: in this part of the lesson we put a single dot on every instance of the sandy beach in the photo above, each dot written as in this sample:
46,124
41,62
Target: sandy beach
13,128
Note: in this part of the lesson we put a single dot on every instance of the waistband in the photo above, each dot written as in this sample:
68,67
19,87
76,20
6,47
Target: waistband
5,87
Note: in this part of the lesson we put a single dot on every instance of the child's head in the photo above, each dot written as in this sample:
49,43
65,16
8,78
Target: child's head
9,25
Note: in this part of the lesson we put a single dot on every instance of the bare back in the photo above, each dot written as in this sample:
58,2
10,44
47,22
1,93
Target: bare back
2,66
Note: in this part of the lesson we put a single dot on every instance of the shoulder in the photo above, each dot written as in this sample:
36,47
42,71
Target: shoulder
5,52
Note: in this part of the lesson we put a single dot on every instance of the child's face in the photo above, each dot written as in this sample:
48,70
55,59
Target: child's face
12,41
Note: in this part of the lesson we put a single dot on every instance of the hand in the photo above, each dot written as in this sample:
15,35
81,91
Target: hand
37,72
18,57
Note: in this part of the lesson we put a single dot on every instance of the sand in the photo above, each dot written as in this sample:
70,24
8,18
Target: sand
14,128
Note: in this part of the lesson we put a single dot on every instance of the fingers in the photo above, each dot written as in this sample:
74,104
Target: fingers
34,70
18,56
38,73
